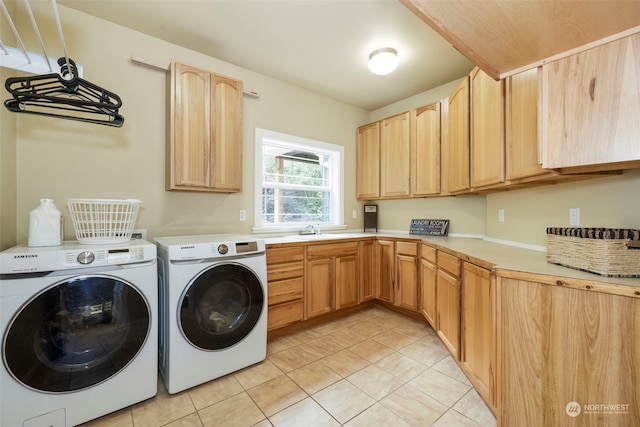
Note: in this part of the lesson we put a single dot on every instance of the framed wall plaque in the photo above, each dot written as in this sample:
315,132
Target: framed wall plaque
429,227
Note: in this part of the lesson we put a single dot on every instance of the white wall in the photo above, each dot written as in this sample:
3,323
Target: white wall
59,158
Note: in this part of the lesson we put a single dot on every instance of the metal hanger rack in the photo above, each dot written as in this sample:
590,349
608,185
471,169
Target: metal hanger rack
61,94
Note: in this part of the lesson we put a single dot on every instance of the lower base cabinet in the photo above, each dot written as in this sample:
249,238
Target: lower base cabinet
285,283
567,357
428,277
448,302
407,285
366,272
385,270
331,277
478,333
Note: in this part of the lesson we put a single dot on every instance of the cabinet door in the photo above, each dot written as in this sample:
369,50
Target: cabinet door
368,162
394,156
487,129
561,345
346,277
458,140
425,150
204,147
428,274
385,270
190,146
227,133
366,276
478,329
407,282
521,125
448,305
591,106
319,287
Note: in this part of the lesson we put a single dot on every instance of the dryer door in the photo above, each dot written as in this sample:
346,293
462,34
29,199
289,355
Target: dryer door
76,334
220,306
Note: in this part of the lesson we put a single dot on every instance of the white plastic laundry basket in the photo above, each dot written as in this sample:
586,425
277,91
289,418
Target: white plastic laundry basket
103,221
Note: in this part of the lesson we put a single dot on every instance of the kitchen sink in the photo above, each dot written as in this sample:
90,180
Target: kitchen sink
328,236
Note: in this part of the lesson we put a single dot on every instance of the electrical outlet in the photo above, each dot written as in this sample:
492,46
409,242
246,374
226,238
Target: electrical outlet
140,233
574,217
354,214
243,215
500,215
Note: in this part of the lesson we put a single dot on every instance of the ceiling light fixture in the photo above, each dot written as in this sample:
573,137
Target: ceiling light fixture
383,61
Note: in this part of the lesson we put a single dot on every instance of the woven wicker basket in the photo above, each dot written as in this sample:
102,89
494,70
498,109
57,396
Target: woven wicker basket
605,251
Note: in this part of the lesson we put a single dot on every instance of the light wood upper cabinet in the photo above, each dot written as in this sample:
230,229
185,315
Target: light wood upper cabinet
425,150
478,335
458,141
521,125
204,136
591,108
368,161
394,156
487,130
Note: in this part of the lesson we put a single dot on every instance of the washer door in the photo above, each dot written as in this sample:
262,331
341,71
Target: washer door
76,334
220,306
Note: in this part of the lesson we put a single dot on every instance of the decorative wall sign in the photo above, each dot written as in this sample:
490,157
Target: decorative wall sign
429,227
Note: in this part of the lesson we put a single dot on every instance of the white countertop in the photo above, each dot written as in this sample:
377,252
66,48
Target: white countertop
500,256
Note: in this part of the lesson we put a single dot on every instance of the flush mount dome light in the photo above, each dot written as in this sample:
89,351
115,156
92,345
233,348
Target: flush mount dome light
383,61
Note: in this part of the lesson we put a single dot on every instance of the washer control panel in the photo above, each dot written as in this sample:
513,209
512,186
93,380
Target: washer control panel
71,255
207,247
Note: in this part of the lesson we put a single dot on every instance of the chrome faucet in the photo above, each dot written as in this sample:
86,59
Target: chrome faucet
310,229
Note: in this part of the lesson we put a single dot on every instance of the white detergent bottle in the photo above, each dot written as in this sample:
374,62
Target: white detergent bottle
44,225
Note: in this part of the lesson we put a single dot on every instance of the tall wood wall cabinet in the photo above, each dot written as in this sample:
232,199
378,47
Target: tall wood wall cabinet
368,161
204,135
486,130
458,128
394,156
521,126
425,150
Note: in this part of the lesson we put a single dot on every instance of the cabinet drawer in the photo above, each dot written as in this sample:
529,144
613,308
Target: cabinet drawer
332,249
287,254
285,290
288,270
449,263
407,248
428,253
284,314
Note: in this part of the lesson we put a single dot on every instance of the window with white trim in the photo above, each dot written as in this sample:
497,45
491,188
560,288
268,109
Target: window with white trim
298,182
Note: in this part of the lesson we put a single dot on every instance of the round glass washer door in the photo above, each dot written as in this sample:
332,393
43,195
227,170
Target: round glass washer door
76,334
220,306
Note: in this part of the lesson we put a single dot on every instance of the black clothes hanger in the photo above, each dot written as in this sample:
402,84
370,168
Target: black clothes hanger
67,96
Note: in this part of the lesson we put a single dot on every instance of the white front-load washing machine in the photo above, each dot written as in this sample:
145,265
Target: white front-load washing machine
79,331
213,307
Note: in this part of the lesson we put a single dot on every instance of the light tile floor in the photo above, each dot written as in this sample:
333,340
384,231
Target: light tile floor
374,367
